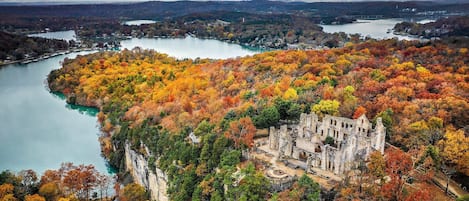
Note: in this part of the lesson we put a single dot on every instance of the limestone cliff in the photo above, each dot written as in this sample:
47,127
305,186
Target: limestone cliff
154,182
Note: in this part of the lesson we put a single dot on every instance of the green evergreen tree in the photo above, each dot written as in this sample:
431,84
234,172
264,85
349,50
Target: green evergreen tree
268,117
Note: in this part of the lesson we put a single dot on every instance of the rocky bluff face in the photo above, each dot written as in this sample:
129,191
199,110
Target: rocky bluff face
155,182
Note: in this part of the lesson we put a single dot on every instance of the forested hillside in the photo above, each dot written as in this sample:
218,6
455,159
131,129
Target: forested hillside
451,26
17,47
421,91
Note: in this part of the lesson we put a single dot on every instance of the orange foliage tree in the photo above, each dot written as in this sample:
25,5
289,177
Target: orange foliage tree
359,112
242,132
398,166
34,197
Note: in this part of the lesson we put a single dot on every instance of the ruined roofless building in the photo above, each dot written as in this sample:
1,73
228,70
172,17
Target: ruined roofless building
354,139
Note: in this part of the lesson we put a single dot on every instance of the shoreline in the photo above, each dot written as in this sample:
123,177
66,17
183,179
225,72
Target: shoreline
245,45
45,56
63,52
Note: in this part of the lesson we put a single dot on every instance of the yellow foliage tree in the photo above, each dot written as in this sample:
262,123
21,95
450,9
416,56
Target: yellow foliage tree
9,197
133,192
290,94
324,107
377,166
6,189
49,190
454,149
69,198
34,197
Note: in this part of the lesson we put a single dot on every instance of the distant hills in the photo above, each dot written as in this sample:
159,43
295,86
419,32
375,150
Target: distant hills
159,10
74,2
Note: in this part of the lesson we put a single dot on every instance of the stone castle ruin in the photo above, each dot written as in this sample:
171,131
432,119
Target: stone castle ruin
353,140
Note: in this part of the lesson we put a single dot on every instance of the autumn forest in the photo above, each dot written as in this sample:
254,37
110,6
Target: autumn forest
194,128
153,102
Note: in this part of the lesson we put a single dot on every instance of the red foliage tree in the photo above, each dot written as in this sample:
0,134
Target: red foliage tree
242,132
398,166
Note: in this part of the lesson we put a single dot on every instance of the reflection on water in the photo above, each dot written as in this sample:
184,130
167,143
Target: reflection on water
90,111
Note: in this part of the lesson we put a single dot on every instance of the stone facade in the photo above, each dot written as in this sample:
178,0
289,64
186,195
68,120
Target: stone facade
354,139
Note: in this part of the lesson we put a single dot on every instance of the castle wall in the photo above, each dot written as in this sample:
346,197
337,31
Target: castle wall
273,138
352,137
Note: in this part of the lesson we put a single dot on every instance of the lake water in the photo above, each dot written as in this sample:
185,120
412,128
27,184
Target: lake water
62,35
373,28
191,47
39,131
139,22
425,21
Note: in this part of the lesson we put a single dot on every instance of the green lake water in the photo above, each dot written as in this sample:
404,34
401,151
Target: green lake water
39,130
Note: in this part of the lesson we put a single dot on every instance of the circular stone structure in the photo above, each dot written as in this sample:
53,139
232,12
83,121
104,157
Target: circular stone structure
276,174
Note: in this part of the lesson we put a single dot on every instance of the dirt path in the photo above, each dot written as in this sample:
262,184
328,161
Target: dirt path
453,187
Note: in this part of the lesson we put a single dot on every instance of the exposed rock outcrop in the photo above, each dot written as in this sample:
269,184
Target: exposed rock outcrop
155,182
